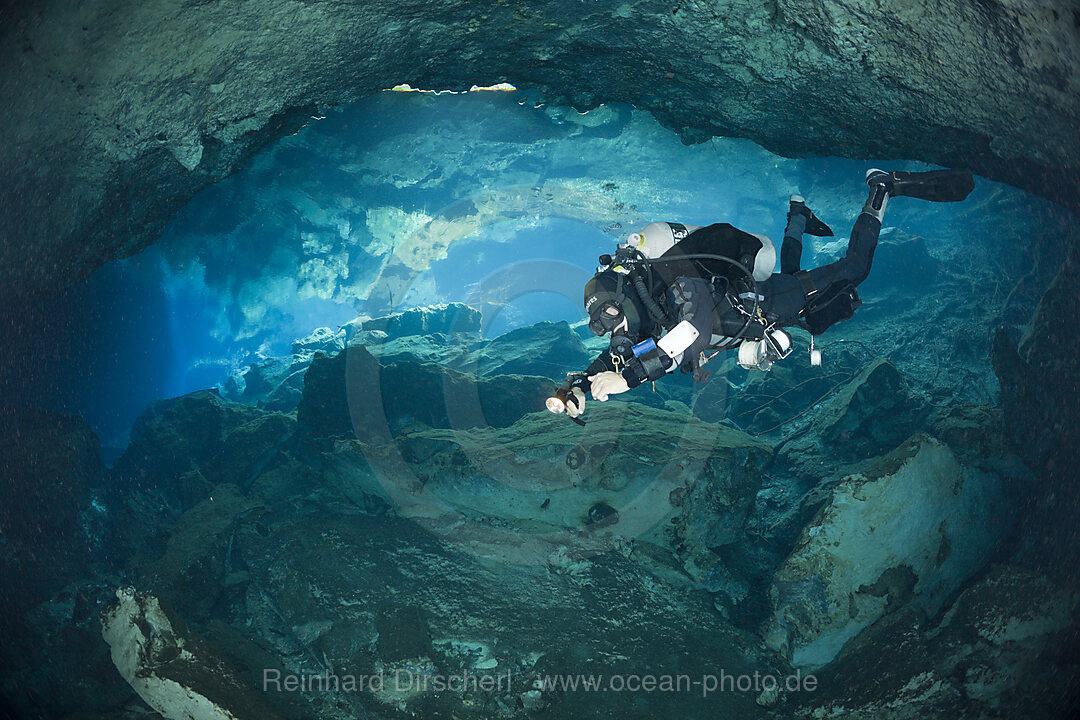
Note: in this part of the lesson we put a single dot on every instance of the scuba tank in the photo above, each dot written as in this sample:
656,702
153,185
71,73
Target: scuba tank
754,250
657,238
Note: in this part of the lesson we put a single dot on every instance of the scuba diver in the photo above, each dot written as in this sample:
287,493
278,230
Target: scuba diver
673,296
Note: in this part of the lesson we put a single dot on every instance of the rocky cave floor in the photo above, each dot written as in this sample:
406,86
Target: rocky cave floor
388,501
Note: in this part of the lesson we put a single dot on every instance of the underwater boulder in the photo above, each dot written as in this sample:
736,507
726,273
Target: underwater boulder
1040,376
54,664
322,339
255,383
200,435
1040,394
352,394
547,349
768,399
448,319
276,383
656,476
174,671
1003,648
908,529
324,409
873,414
439,334
191,573
436,348
426,598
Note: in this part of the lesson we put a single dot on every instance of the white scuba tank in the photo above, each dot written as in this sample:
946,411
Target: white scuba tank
657,238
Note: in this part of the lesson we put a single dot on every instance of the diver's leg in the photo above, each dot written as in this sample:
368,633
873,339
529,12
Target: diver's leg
936,185
800,219
791,248
855,265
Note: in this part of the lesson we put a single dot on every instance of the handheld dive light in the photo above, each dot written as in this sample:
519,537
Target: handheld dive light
557,402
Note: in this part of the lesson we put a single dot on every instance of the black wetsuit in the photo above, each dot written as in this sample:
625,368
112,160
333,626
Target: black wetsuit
718,299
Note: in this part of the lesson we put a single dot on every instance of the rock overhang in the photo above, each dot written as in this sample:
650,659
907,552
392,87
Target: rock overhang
117,114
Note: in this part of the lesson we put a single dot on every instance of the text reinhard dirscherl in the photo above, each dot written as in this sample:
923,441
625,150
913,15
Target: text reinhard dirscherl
403,680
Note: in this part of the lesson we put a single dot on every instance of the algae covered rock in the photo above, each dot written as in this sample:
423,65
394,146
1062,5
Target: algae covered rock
446,319
907,530
184,446
547,349
872,414
352,393
634,472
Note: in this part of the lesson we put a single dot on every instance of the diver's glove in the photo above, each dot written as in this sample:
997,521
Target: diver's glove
575,402
606,384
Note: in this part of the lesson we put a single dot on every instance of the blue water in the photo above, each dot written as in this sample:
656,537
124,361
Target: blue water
285,246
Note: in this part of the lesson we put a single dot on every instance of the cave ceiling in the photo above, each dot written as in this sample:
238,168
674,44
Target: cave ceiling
116,113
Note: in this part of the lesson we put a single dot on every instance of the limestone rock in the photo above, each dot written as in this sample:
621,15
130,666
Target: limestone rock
657,476
1000,649
104,152
190,576
48,465
224,442
54,662
320,340
547,349
873,414
429,600
448,319
766,400
435,349
1040,390
175,672
264,379
276,383
353,394
906,531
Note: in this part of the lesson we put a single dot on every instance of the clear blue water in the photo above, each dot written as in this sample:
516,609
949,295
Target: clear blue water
286,245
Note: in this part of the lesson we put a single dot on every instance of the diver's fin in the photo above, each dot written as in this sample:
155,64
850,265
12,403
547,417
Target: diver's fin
935,185
814,226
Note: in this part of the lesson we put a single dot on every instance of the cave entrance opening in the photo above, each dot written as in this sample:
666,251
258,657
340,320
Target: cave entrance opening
490,198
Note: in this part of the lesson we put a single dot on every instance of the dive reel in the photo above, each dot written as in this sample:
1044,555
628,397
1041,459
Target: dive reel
762,354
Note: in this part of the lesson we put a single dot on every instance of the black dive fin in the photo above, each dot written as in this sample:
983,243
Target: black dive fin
936,185
814,226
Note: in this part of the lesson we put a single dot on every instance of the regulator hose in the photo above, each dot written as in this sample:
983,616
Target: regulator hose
650,304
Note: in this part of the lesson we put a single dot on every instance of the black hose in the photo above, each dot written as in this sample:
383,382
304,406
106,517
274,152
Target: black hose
650,304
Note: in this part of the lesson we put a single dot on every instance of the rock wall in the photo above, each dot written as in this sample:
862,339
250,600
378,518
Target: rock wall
910,530
115,114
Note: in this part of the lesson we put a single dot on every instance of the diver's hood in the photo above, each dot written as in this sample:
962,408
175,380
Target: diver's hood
604,289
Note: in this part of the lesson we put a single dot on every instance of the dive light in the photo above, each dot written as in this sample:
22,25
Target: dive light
557,402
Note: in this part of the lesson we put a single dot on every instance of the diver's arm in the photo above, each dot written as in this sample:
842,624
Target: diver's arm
603,363
694,305
603,378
